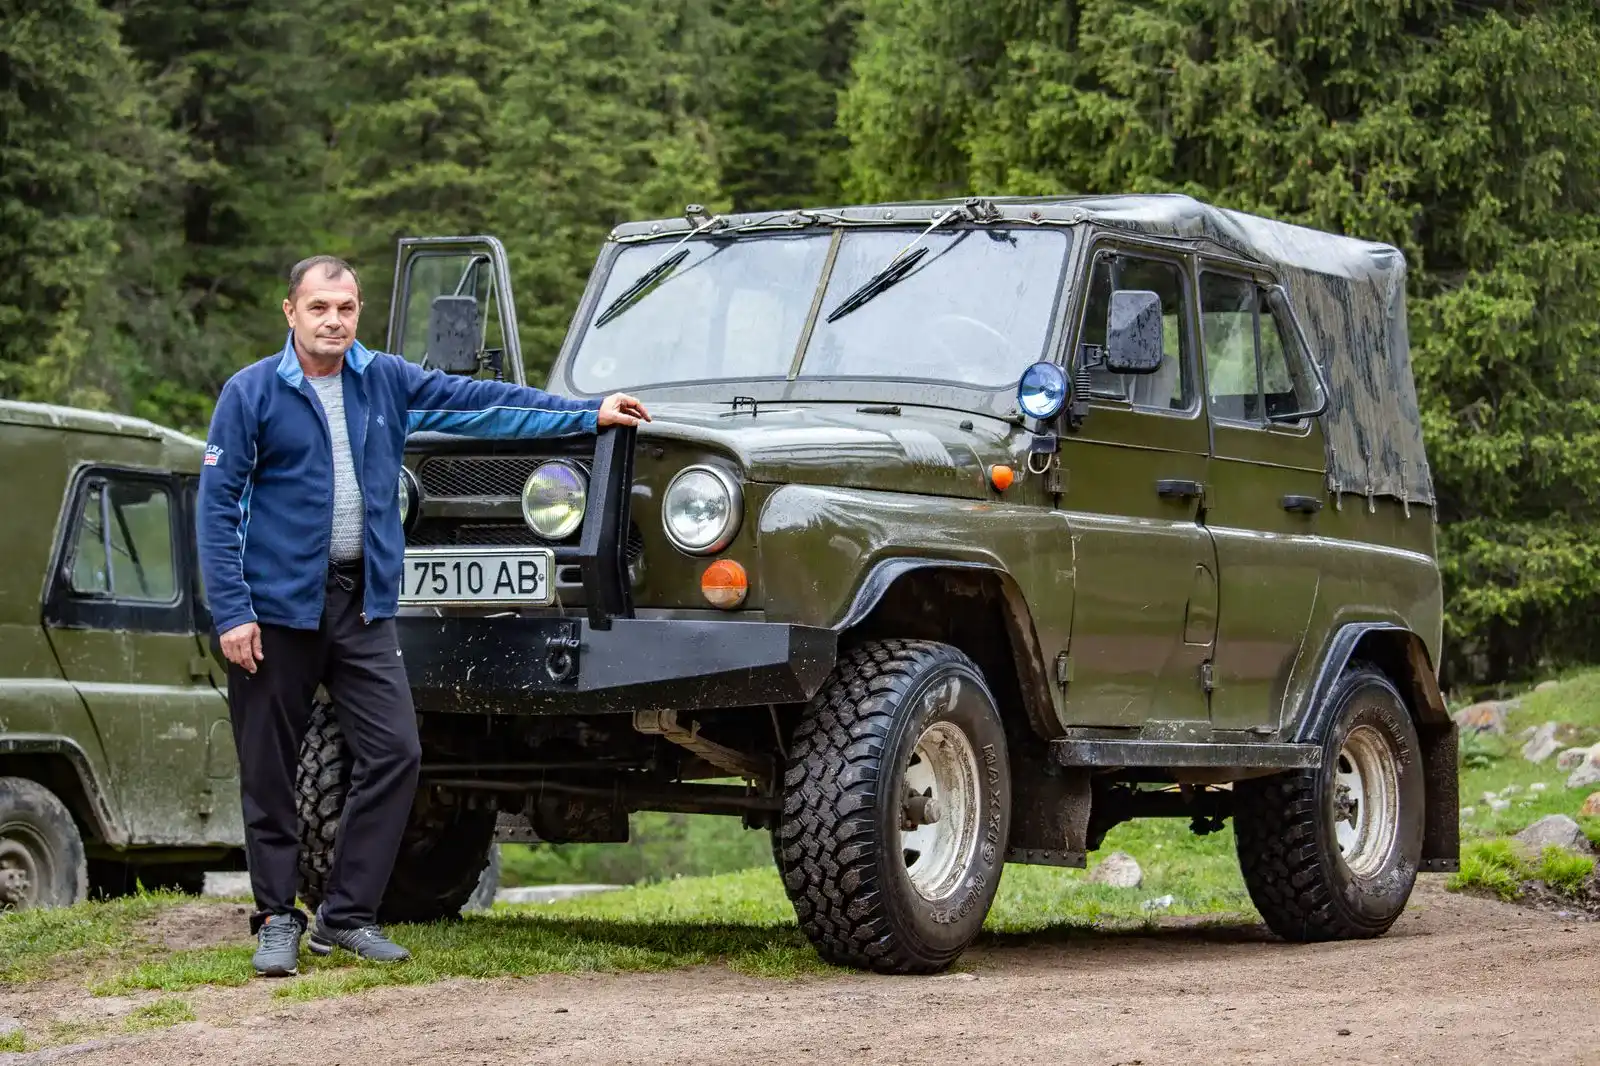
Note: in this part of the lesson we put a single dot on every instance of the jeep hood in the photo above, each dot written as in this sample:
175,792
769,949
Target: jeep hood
924,450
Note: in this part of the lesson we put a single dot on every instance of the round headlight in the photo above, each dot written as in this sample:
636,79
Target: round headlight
554,498
701,509
410,497
1042,392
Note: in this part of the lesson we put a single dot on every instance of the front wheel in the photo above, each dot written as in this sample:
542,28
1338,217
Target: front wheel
1332,853
896,808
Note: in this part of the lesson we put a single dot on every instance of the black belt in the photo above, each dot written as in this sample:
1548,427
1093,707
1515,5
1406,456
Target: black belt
346,574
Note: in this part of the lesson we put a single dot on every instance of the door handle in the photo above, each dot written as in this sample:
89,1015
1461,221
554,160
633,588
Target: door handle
1179,489
1302,504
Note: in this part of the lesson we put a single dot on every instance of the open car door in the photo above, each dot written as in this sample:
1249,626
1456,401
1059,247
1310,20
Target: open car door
451,308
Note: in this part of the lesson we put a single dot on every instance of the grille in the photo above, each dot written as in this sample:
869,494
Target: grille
468,475
438,533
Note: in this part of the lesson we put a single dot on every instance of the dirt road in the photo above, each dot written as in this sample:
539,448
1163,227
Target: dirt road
1457,980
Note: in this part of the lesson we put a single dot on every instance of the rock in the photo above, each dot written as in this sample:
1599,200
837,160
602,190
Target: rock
1160,903
1587,774
1537,786
1468,812
1510,790
1490,797
1499,804
1543,743
1570,759
9,1026
1555,830
1547,686
1119,870
1489,717
1591,806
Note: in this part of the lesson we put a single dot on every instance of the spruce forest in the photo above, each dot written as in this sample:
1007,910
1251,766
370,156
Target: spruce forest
162,163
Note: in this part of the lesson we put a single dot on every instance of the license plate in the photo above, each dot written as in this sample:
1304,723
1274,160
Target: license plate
465,576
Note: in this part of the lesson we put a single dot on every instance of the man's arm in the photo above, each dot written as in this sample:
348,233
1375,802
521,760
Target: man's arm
444,403
224,509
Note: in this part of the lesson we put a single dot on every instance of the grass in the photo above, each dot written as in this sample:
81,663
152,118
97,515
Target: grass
162,1014
1492,767
1494,764
13,1041
1498,867
38,943
740,920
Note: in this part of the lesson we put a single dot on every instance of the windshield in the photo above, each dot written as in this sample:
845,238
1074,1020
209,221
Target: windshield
730,309
976,310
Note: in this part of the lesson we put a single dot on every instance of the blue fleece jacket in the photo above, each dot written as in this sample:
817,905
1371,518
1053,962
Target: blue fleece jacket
266,487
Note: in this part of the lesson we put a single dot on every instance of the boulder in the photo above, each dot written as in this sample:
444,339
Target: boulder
1570,759
1543,744
1591,806
1555,830
1119,870
1587,774
1547,686
1489,717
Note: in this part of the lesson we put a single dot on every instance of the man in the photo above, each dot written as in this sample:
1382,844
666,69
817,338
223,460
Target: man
301,549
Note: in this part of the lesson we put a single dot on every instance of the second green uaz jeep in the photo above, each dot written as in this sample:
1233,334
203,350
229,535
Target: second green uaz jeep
964,531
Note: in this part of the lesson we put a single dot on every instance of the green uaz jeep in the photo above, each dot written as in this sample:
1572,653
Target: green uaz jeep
117,763
964,531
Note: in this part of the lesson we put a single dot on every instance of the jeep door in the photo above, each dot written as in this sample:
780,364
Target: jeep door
120,615
1267,486
1145,601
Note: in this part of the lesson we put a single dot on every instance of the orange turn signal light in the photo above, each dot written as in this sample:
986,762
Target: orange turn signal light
724,584
1001,477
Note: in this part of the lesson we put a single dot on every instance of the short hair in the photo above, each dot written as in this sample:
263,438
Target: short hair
332,267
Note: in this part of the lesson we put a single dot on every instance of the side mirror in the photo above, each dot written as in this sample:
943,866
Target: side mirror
1133,333
453,334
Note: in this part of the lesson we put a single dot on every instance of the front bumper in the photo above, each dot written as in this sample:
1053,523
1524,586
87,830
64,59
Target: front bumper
563,665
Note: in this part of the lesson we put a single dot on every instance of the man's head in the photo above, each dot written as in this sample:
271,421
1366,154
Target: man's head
323,306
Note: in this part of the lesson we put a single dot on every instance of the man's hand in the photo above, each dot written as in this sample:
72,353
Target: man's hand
241,646
620,409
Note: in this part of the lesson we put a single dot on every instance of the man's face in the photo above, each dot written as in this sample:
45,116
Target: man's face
323,314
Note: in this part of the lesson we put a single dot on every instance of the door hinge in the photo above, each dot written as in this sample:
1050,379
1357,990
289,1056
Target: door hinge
1063,669
1206,678
200,667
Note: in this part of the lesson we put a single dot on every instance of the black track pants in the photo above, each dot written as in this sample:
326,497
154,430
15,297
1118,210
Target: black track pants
361,667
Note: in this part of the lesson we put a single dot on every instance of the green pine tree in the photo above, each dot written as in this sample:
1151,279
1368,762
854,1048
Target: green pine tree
78,145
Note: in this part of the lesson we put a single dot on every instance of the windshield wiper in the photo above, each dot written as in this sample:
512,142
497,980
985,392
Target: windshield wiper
670,260
896,269
655,274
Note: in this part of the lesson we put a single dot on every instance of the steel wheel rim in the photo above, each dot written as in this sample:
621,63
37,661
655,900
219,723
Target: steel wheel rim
1366,800
24,866
943,766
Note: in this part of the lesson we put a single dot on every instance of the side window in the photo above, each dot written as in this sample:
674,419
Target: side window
1170,388
1254,372
122,548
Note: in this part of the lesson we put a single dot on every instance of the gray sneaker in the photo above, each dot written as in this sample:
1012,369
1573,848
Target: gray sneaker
367,942
278,946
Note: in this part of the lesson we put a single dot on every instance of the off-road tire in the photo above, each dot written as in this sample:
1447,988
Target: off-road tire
837,845
442,855
1285,827
37,834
